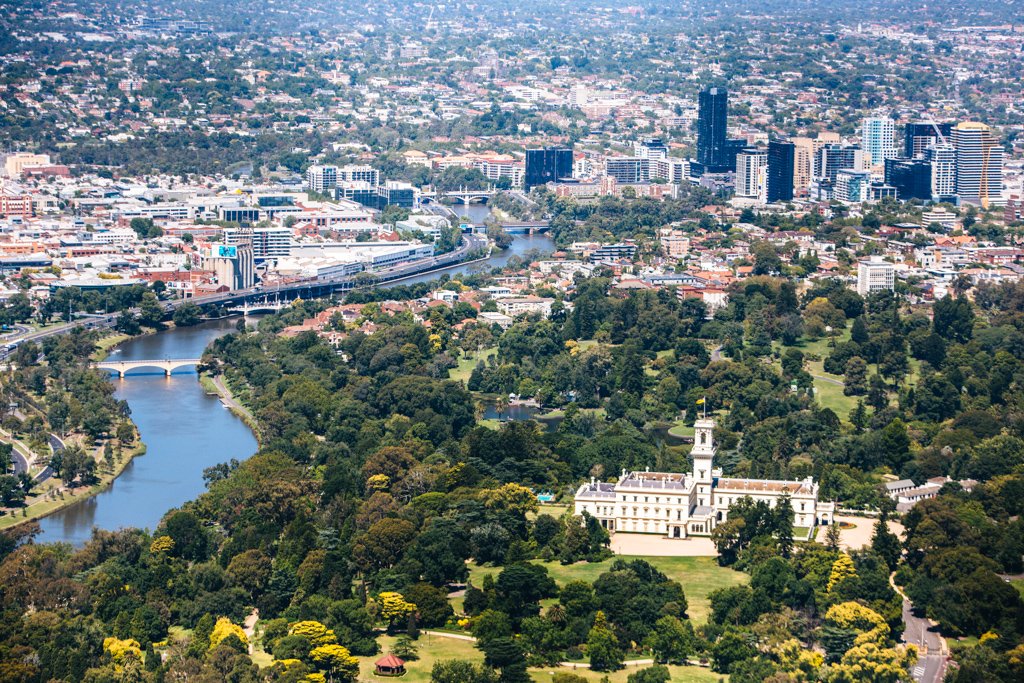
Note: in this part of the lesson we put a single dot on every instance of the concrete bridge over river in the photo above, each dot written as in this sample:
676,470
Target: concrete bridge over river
122,367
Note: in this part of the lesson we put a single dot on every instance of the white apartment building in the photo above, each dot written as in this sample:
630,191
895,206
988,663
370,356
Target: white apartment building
353,173
979,164
943,160
878,138
495,169
852,186
940,216
266,242
111,236
675,171
752,175
875,274
692,504
518,305
322,178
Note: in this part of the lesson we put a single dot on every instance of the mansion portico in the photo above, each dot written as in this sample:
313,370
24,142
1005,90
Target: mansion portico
691,504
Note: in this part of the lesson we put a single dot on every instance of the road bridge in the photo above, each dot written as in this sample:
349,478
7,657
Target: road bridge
264,306
123,366
304,289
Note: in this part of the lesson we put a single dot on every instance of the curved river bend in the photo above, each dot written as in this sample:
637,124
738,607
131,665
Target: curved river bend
184,429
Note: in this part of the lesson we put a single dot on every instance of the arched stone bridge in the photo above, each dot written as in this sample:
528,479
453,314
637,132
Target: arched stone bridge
168,366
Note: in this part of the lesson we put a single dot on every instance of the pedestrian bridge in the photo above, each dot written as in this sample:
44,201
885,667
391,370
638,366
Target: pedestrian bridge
168,366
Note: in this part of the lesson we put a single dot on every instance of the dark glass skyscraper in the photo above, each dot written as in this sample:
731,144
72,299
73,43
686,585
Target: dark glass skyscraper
712,120
781,155
547,165
918,136
912,178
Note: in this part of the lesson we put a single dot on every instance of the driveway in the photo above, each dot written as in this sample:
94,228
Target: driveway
931,647
659,546
860,534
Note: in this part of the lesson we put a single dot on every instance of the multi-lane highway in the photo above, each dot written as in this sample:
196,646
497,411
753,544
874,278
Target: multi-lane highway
312,288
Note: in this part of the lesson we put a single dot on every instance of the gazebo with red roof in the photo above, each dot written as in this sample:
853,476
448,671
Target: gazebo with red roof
389,665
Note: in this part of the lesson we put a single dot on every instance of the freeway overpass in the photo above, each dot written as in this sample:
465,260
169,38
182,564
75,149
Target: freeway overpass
304,289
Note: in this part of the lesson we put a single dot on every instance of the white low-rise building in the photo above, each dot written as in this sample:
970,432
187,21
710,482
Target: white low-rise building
678,505
518,305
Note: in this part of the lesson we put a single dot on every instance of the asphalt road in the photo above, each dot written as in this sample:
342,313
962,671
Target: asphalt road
931,663
469,244
931,651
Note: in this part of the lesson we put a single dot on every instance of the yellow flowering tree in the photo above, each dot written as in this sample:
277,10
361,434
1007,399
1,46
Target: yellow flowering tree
161,544
337,661
313,631
872,663
394,607
869,624
842,569
121,651
512,497
378,482
800,663
224,628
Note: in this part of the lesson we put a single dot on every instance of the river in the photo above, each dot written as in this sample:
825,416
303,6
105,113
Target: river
184,429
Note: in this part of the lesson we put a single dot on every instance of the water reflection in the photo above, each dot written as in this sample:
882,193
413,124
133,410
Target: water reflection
184,429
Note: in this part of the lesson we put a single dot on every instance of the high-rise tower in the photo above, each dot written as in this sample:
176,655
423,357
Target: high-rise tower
712,122
979,164
781,170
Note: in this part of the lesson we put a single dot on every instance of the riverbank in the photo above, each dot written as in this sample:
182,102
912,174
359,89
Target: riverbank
49,496
53,497
215,385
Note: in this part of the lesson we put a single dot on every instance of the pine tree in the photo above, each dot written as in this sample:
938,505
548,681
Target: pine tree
784,525
886,544
603,646
832,537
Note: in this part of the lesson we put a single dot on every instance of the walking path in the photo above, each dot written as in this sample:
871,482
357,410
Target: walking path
568,665
249,626
229,399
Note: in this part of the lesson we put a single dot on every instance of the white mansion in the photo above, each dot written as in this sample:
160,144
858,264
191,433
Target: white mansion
684,505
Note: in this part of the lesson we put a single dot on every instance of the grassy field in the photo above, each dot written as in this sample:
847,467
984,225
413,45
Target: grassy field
681,429
104,345
42,504
830,393
1019,585
431,649
680,674
699,576
554,509
466,365
828,388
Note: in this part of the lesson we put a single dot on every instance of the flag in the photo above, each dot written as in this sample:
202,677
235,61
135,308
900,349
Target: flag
700,401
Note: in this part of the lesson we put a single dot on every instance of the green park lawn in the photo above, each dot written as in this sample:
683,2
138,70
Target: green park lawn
430,649
828,388
556,510
1019,585
681,429
466,365
699,577
680,674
